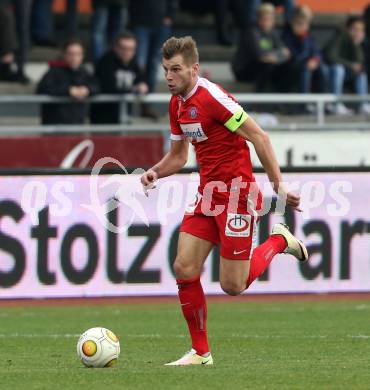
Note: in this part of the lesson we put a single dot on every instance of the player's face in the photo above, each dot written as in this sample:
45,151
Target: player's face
180,76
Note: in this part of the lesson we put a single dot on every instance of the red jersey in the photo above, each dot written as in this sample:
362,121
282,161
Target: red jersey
209,117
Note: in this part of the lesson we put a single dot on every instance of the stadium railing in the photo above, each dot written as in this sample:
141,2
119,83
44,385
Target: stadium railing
319,100
163,128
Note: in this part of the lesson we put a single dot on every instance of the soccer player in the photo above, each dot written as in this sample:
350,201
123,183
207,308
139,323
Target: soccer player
226,208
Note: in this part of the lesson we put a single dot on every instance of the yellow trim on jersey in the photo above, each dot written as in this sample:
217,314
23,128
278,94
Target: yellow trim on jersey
236,120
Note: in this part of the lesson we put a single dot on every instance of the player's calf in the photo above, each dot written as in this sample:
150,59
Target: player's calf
233,275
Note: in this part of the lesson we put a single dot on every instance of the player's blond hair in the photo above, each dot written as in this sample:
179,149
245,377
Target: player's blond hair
265,9
186,46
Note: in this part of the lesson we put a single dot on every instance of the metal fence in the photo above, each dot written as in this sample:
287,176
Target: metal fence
319,100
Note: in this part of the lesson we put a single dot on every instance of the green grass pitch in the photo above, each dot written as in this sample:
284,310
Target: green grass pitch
256,345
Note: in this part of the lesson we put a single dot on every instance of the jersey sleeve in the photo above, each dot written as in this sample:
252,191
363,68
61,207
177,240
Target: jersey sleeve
176,132
225,109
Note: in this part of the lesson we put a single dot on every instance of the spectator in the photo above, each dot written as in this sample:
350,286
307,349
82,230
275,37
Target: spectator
240,18
261,53
221,10
71,19
346,57
107,22
367,40
23,10
67,77
251,8
8,43
42,23
306,59
42,20
118,73
151,22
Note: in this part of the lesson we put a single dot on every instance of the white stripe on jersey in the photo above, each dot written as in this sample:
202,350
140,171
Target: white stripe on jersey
219,95
177,137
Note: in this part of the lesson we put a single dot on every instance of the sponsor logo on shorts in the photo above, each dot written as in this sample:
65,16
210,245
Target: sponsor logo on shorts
238,225
193,131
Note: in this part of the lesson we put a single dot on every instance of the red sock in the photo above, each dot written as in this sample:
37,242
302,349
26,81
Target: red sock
263,254
194,308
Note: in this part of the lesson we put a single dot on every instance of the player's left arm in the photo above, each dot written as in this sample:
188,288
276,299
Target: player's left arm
252,132
226,110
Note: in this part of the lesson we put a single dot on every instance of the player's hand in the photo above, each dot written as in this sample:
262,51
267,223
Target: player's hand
293,200
148,180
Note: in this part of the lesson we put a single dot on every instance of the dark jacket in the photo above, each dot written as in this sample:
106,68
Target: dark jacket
301,48
253,45
150,13
341,50
57,82
114,77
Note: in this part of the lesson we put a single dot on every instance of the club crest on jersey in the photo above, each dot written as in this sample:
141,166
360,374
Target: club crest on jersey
238,225
193,131
193,112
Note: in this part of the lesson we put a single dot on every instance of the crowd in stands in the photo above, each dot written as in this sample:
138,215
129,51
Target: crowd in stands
293,62
123,61
126,37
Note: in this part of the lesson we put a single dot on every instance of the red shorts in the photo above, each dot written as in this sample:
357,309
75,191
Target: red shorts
236,231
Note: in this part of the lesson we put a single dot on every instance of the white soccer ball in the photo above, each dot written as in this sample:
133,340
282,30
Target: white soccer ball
98,347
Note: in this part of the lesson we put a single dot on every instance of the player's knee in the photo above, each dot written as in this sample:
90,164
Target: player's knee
232,288
183,269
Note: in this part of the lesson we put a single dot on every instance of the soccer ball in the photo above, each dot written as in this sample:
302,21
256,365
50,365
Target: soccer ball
98,347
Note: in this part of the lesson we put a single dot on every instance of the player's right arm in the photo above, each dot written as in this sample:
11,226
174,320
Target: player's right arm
171,163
